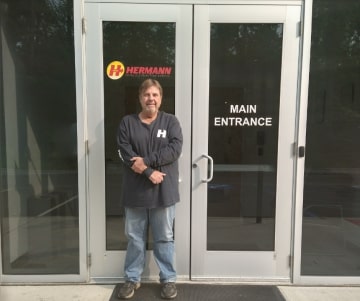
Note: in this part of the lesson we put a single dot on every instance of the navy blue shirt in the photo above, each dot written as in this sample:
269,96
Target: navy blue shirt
160,144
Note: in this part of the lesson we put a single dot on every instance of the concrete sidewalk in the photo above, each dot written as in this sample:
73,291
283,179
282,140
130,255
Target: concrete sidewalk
103,293
323,293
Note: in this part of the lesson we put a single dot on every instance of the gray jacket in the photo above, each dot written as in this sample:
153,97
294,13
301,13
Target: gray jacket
160,144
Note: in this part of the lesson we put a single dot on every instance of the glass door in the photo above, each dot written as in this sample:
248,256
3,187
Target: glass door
125,44
244,124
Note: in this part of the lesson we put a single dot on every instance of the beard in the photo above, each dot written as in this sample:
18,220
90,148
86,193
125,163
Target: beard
150,109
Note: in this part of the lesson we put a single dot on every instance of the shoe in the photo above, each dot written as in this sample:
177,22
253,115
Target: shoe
168,290
128,289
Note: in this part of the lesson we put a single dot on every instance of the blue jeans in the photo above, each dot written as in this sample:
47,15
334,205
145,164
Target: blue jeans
161,221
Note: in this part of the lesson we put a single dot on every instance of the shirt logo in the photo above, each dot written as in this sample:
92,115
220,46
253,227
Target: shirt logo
161,133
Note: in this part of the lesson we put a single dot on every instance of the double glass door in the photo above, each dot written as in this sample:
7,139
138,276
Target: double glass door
229,74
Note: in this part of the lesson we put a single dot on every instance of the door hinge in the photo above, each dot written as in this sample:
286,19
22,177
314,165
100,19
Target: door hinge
89,260
290,261
298,29
294,149
87,147
83,25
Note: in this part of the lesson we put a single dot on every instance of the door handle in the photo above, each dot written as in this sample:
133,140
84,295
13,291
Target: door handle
211,171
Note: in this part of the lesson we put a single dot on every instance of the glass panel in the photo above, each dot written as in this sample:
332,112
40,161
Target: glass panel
133,51
38,139
331,213
245,70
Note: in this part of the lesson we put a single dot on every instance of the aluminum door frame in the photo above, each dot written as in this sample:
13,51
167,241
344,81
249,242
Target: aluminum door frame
246,265
107,266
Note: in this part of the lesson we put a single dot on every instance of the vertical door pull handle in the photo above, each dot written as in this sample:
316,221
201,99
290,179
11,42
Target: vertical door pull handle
211,170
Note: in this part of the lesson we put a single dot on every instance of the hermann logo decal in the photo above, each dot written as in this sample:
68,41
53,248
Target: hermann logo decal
116,70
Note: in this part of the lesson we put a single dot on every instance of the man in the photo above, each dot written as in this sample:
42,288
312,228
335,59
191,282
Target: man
150,144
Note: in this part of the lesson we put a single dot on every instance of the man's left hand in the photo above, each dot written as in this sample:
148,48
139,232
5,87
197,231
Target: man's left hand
138,165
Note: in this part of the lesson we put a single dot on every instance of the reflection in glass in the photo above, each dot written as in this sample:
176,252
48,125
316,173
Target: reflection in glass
38,149
245,71
135,45
331,212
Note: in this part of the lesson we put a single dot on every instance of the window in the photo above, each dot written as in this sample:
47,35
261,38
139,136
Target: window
331,213
38,138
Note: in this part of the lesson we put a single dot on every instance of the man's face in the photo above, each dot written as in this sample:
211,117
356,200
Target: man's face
150,100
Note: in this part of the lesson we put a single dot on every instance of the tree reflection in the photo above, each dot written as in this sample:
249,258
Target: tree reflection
41,33
38,138
141,42
332,179
242,42
334,102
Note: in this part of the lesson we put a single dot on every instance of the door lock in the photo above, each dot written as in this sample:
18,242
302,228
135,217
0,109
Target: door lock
301,152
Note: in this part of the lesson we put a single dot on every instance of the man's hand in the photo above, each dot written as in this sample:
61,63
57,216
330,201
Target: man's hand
138,165
157,177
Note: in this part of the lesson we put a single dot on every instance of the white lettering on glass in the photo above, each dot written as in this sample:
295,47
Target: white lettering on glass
248,109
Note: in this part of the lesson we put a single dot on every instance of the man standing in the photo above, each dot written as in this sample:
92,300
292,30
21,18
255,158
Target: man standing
150,144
